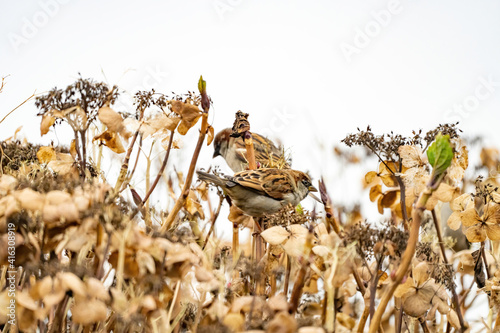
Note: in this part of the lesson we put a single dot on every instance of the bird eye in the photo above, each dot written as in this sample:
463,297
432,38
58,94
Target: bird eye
306,183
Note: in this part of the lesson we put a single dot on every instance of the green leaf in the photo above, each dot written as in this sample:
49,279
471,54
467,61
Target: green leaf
202,85
440,154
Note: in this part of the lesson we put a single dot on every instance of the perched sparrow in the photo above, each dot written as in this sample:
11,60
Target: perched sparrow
263,191
234,152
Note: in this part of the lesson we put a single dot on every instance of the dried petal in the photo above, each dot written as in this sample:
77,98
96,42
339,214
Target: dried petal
469,217
275,235
475,233
493,231
454,221
89,311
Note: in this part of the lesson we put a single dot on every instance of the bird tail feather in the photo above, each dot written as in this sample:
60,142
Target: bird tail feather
208,177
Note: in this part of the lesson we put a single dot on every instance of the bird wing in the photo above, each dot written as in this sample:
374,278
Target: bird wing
271,182
266,153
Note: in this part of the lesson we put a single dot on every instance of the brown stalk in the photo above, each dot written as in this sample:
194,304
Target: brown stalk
363,319
485,262
405,260
443,254
423,323
402,198
56,324
373,287
497,322
162,168
124,168
287,275
299,282
137,157
189,178
399,314
212,222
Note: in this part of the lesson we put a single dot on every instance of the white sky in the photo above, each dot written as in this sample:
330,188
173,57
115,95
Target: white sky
280,61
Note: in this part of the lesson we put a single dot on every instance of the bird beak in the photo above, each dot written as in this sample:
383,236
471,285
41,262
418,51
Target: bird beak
315,197
312,189
216,151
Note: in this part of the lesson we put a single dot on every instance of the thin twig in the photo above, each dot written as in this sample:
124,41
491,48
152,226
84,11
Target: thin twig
405,260
205,102
17,107
445,259
162,168
485,261
299,282
214,218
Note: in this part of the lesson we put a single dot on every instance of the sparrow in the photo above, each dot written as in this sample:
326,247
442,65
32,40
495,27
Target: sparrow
263,191
234,152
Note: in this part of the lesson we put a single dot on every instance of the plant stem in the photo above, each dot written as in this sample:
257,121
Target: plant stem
299,282
363,319
423,323
84,152
214,218
483,254
399,314
162,168
137,157
443,254
287,275
124,168
373,287
405,260
189,178
402,189
259,253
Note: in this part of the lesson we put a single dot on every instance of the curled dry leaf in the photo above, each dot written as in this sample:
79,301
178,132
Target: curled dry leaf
189,114
111,140
46,154
72,149
63,164
114,121
210,135
47,121
193,206
237,216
